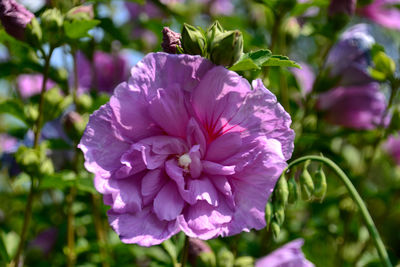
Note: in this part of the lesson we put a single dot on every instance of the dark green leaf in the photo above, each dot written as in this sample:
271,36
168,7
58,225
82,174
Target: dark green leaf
14,108
79,28
280,61
252,60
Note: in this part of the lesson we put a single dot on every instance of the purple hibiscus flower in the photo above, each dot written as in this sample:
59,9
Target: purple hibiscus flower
14,18
186,145
349,59
392,146
104,73
8,144
31,84
290,255
383,12
305,77
357,107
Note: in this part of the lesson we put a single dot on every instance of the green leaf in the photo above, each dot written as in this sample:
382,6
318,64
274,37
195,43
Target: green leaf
79,28
252,60
60,180
3,250
171,250
13,107
85,185
280,61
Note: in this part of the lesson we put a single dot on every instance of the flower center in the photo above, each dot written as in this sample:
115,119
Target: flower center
184,161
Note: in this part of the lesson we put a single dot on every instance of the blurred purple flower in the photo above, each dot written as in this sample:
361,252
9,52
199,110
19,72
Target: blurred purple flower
392,146
104,73
357,107
290,255
31,84
346,7
186,145
8,143
14,18
149,9
383,12
349,59
45,241
305,77
219,7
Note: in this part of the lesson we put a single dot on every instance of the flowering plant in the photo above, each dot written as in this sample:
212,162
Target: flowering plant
199,133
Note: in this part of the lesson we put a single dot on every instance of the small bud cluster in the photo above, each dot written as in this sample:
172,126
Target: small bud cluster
289,191
220,46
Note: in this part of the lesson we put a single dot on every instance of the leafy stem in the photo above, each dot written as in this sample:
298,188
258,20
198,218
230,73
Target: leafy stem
185,252
37,131
356,198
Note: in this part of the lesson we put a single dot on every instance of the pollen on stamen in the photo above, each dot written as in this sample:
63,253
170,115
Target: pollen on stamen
184,161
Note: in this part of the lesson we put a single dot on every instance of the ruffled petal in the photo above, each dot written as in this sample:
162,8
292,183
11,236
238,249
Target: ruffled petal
203,189
102,143
223,147
205,221
168,204
130,109
168,110
143,228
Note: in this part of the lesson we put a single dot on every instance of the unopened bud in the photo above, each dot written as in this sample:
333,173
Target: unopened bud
244,261
281,190
52,19
226,48
293,191
268,213
279,213
307,184
384,64
276,229
214,30
14,17
34,33
171,41
81,12
193,40
320,184
225,258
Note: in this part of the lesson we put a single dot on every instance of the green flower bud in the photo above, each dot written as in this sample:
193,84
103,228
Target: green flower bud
46,167
281,190
276,229
34,33
206,259
193,40
225,258
279,213
384,64
244,261
320,184
268,213
293,191
28,159
84,102
214,30
31,113
52,19
226,48
52,23
307,185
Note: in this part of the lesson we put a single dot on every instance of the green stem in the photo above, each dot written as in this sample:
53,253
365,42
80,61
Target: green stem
357,199
185,252
37,130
